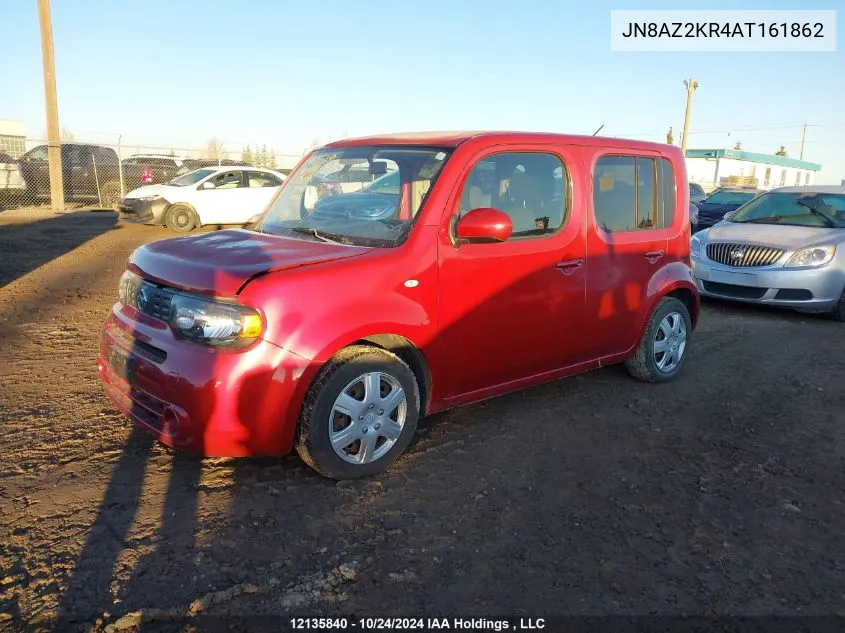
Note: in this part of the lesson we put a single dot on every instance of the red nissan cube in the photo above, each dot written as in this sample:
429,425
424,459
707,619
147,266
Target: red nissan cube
467,265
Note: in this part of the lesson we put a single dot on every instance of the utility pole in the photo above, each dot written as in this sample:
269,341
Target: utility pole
52,107
803,136
691,87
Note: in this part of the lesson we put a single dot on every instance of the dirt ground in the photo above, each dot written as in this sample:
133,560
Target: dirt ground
720,493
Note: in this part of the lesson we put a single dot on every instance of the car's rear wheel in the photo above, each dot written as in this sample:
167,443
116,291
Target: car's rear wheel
181,218
665,344
360,413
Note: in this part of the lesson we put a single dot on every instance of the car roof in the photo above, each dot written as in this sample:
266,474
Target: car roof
453,139
837,189
219,168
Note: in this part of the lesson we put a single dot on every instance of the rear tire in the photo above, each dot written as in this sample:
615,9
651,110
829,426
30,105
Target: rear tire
359,415
181,218
665,345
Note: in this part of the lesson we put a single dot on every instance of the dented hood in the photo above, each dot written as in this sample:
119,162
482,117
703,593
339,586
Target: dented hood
220,263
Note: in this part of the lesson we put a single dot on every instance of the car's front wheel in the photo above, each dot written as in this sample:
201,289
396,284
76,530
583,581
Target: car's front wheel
839,311
665,344
181,218
360,413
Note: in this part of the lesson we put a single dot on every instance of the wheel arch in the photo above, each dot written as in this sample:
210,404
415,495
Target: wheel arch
412,355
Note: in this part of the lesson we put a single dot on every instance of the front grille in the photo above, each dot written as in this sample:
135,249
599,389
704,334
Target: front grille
151,299
730,290
743,255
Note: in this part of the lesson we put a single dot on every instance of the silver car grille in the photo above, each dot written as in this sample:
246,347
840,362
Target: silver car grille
743,255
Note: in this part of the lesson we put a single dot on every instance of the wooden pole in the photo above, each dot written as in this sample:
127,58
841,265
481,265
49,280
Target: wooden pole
52,107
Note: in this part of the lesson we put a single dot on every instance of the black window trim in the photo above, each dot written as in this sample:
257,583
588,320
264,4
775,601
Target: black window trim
566,190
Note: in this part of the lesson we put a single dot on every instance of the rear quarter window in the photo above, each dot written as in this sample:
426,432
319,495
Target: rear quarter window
633,193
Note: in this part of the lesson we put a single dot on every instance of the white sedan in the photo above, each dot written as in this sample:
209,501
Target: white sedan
210,195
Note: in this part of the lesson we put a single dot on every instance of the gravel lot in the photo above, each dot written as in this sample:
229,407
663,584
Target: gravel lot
720,493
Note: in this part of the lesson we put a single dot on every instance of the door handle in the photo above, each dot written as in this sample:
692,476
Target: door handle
567,268
653,256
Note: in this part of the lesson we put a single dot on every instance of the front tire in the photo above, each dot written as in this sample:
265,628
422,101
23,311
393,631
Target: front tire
181,218
359,415
665,344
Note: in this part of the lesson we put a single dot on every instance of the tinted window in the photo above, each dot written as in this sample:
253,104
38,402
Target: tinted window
532,188
226,180
104,156
625,193
263,179
694,189
646,194
731,197
668,192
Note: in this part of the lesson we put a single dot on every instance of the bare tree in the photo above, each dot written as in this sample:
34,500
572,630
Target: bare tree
214,148
781,151
67,135
246,155
670,138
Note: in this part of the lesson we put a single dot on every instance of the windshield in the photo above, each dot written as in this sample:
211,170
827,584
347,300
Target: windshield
363,196
795,209
731,197
191,178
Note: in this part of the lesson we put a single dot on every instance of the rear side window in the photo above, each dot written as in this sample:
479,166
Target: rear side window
633,193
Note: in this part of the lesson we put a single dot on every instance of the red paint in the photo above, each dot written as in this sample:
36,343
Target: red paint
485,225
487,318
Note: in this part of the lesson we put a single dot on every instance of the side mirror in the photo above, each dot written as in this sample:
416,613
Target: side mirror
484,225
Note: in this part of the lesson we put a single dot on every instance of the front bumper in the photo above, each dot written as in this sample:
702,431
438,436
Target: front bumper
807,289
212,402
146,212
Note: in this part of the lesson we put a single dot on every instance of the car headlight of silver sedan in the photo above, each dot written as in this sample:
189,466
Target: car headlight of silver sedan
815,256
695,246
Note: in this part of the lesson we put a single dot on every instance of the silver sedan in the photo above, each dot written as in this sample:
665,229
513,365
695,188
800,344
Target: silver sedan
786,247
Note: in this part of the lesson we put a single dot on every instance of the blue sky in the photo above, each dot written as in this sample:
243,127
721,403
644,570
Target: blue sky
176,72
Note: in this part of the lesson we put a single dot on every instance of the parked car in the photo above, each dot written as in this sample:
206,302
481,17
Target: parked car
693,218
721,201
12,185
334,335
190,164
211,195
786,247
157,168
89,172
696,193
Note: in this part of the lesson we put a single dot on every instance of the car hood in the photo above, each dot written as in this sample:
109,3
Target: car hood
220,263
780,236
153,190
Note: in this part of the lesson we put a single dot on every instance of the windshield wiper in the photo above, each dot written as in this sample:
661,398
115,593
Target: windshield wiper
333,238
771,218
830,221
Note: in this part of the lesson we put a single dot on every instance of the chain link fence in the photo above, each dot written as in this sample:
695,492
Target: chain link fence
98,172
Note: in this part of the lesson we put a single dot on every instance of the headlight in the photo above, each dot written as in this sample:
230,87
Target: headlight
207,321
695,246
127,288
816,256
214,322
149,198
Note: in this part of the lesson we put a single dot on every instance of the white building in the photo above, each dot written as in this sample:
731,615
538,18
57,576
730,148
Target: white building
12,138
718,167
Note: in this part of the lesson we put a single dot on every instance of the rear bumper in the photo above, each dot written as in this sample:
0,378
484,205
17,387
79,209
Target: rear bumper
210,402
147,212
808,289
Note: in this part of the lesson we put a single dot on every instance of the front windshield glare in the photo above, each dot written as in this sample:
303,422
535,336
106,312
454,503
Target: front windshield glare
363,196
191,178
796,209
